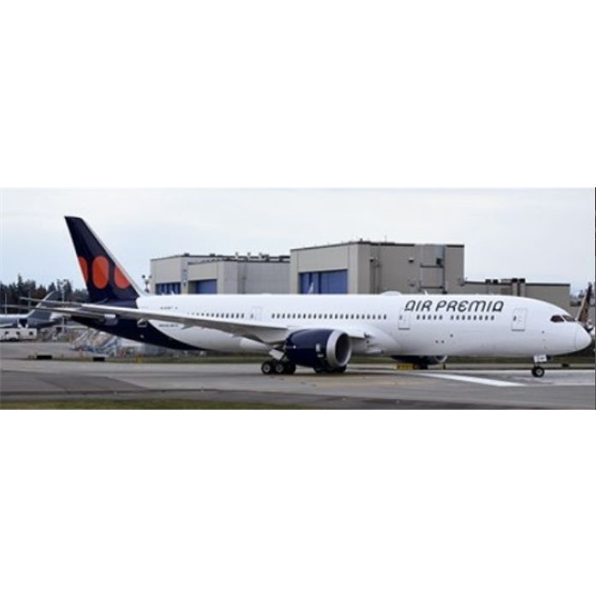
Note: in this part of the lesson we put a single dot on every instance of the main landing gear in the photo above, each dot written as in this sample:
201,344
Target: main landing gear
282,367
278,367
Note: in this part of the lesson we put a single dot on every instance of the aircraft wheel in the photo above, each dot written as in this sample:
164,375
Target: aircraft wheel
320,371
341,371
538,372
279,368
267,368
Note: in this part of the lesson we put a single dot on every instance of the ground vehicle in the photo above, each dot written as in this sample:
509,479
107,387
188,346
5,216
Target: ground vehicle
20,334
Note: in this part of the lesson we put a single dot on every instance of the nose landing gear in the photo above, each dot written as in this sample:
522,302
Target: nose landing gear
538,371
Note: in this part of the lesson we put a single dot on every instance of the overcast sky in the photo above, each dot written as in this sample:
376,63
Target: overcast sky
543,235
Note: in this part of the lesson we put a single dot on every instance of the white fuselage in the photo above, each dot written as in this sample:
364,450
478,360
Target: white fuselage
393,325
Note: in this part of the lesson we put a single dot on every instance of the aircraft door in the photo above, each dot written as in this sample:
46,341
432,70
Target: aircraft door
404,321
520,317
256,313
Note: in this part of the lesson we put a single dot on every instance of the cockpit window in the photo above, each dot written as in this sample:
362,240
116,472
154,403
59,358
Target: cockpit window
562,319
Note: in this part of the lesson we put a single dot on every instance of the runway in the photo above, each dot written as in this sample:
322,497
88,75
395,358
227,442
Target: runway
362,387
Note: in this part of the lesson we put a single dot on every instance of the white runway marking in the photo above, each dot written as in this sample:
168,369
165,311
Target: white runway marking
476,380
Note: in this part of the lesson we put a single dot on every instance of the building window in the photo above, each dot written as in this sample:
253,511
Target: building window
167,289
324,282
204,286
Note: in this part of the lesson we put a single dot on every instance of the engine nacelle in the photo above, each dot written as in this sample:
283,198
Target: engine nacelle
325,349
422,362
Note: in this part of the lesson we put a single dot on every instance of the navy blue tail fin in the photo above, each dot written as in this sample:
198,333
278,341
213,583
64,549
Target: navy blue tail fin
106,280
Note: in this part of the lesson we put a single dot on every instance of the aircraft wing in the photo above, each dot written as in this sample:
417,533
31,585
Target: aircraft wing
256,330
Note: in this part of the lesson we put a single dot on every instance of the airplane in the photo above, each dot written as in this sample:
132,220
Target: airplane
320,332
38,318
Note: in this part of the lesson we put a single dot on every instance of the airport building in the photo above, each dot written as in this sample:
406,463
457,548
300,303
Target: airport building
360,267
365,267
352,268
555,293
220,274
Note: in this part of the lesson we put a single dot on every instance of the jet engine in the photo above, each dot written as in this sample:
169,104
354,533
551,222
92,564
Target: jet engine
421,362
321,349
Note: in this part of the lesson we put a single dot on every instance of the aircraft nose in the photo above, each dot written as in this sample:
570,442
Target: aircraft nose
582,339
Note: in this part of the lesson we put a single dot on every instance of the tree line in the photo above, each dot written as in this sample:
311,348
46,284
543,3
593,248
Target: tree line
11,294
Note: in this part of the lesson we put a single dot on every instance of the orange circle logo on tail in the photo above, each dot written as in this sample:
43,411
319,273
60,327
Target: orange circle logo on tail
84,268
101,273
120,279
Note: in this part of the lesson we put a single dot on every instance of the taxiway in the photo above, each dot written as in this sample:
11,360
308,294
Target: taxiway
362,387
